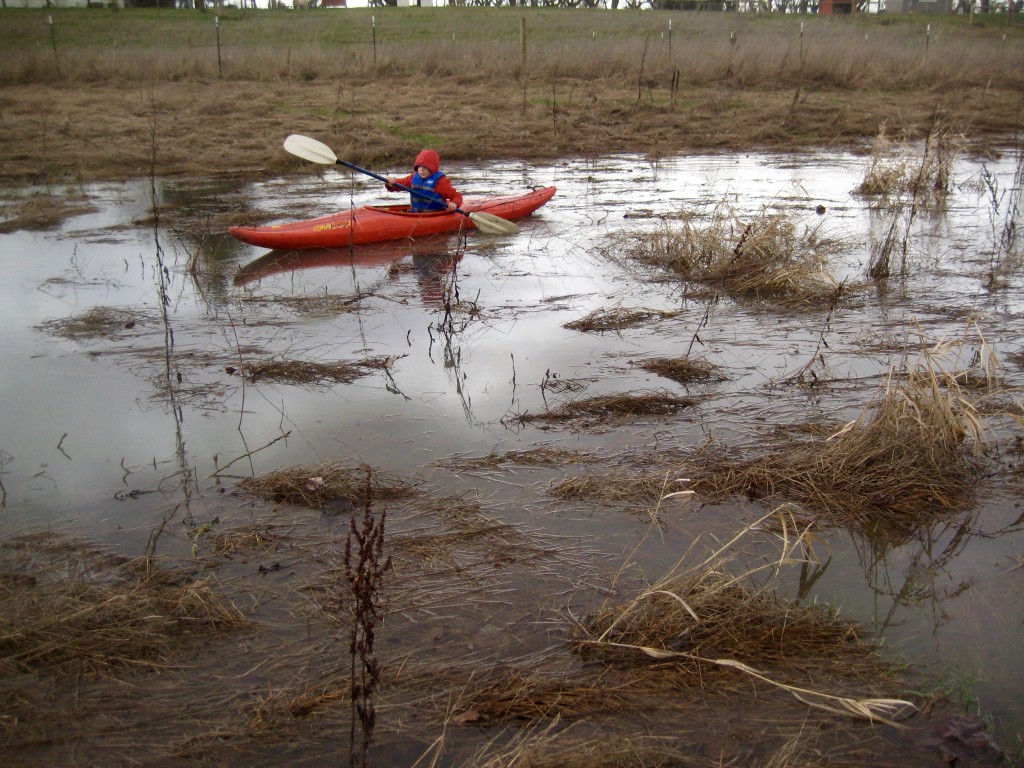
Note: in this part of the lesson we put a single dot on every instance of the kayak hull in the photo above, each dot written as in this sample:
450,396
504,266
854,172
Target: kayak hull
377,224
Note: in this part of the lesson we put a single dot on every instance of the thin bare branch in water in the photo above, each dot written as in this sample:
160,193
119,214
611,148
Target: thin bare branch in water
247,454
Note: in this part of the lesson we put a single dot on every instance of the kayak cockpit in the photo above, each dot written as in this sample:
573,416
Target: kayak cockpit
403,210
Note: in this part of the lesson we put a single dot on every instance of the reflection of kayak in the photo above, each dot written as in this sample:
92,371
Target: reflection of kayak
373,255
377,223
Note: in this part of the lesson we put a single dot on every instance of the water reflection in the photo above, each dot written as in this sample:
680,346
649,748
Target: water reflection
474,326
428,259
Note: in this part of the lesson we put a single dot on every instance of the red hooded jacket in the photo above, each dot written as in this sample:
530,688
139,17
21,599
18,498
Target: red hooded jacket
432,161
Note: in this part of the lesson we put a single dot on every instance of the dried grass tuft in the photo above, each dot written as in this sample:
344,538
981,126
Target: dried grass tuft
716,614
894,467
316,484
764,259
898,169
616,487
684,370
258,538
617,319
658,403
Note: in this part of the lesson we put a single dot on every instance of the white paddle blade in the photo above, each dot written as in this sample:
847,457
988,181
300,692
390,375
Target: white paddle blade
493,225
310,149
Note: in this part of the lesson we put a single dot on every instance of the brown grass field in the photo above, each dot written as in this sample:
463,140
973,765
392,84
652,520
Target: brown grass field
110,95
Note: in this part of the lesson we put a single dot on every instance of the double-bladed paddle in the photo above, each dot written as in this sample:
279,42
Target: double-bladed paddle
318,152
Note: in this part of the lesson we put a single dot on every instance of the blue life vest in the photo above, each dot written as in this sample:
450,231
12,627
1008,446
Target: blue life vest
420,203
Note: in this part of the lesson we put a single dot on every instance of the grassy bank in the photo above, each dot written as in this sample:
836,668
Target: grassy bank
480,83
500,43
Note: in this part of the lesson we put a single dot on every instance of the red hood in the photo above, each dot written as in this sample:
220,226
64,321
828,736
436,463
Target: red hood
430,159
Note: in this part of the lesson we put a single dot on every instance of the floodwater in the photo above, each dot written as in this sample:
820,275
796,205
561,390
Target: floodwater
108,435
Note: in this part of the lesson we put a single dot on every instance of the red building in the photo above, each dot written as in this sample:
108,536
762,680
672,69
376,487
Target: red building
837,7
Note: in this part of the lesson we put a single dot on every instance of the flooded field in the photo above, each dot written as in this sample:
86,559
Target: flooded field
176,402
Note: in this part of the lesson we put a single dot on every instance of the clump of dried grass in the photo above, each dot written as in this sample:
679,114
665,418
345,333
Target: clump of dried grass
101,615
257,538
765,258
658,403
98,322
617,319
311,373
894,467
898,169
614,487
717,614
683,369
316,484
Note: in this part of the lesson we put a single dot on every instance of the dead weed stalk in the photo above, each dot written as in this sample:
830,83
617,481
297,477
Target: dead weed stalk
365,567
1004,214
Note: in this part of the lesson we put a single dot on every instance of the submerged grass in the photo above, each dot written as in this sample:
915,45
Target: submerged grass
316,484
42,211
534,457
101,615
684,370
311,373
619,318
96,323
658,403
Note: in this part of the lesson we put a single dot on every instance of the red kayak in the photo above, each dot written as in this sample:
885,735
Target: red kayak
378,223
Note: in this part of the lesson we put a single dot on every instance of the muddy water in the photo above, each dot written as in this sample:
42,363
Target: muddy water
109,433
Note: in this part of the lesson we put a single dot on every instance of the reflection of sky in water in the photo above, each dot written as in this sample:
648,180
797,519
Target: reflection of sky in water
84,422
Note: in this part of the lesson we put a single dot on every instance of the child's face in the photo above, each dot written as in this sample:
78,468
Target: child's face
423,171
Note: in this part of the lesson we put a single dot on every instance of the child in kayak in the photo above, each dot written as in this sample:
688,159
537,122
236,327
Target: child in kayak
434,192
